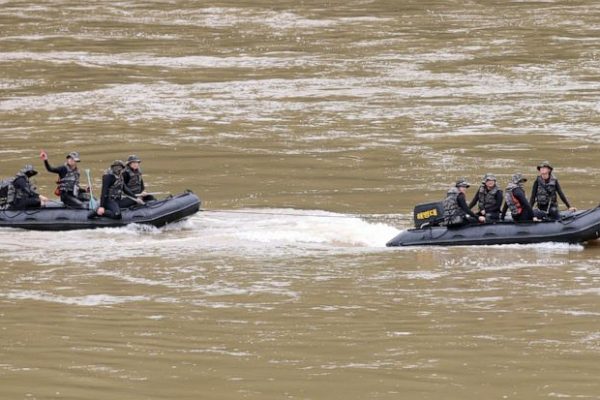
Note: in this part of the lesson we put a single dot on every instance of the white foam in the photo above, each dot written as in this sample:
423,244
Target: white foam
297,227
89,300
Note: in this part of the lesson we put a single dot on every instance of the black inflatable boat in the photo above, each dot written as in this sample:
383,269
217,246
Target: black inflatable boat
577,227
58,218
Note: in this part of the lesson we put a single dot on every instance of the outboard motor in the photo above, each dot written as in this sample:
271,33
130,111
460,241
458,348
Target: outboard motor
428,214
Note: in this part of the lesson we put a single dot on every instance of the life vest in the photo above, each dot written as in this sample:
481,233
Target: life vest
453,214
511,201
115,191
70,182
487,198
545,196
135,180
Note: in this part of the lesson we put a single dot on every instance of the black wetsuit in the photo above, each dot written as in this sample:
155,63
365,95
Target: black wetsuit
72,197
25,195
492,212
113,203
527,213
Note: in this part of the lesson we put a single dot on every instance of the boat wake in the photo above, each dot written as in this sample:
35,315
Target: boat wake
250,232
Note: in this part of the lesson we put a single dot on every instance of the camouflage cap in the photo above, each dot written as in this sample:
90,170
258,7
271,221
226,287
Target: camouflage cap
462,182
489,177
544,164
518,178
74,155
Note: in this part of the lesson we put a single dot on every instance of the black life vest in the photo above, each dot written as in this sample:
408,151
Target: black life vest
545,196
115,191
135,180
487,198
70,182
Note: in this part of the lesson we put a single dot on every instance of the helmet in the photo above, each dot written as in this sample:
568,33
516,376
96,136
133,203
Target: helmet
518,178
544,164
74,155
133,158
489,177
28,170
462,182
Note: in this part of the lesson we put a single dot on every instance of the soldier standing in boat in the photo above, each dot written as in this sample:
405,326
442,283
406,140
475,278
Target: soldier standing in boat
545,190
456,210
71,194
488,198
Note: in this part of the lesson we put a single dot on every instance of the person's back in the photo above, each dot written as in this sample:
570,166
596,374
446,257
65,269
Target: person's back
456,211
516,201
25,194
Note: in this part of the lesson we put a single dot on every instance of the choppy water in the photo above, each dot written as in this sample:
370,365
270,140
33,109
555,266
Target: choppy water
310,130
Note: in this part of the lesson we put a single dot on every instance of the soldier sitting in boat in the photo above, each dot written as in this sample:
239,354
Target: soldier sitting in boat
25,193
132,177
456,210
71,194
545,190
113,187
516,201
488,198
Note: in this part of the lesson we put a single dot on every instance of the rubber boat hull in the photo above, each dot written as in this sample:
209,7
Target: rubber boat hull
578,227
156,213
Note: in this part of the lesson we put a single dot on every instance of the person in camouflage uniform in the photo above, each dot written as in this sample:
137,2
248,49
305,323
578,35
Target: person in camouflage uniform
546,190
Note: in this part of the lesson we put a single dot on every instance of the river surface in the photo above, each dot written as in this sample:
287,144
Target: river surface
310,129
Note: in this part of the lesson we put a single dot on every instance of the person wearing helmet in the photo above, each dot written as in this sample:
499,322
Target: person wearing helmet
26,195
516,201
132,176
456,210
545,190
488,198
113,188
71,194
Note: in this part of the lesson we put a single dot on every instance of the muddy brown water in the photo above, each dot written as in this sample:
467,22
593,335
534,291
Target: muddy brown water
309,129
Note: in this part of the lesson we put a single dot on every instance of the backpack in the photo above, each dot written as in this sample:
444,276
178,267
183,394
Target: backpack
7,192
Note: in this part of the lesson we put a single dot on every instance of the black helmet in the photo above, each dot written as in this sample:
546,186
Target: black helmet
28,170
489,177
462,182
133,158
518,178
74,155
544,164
